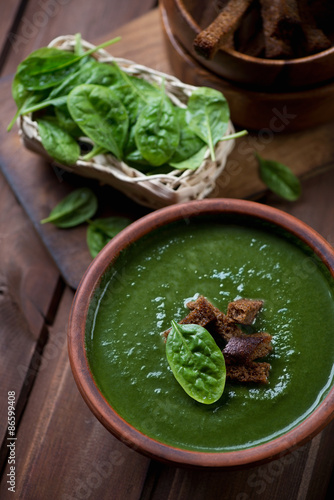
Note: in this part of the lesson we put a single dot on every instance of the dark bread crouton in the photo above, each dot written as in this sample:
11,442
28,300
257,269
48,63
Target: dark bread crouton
265,347
226,328
243,350
221,325
243,311
253,372
202,313
239,350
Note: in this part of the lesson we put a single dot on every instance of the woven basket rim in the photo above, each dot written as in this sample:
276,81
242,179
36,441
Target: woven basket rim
175,181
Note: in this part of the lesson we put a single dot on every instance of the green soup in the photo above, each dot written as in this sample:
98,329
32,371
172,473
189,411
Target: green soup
148,286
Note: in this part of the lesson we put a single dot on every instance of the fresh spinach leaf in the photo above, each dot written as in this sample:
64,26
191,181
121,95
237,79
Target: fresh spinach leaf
48,66
279,178
58,143
77,207
134,92
31,108
100,115
189,143
191,163
196,362
157,131
92,72
45,80
207,115
24,98
66,121
100,231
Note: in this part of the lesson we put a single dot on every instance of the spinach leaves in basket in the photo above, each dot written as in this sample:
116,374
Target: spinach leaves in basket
71,95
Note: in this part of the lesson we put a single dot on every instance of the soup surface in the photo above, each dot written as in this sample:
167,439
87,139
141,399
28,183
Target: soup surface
148,286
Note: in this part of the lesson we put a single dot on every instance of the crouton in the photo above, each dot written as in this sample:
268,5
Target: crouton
243,350
202,313
253,372
243,311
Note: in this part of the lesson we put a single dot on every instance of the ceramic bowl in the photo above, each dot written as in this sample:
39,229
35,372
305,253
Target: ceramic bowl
84,378
184,17
299,91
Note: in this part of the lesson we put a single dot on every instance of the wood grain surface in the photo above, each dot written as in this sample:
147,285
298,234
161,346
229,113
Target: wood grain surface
39,187
62,451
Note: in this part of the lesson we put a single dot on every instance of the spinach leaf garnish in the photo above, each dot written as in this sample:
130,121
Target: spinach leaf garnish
279,178
196,362
74,209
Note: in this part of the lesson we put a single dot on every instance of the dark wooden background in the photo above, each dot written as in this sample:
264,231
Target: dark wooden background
62,451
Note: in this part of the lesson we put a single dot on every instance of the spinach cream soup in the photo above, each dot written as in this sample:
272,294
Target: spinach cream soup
148,286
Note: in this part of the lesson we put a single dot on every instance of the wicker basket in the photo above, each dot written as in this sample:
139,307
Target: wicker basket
154,191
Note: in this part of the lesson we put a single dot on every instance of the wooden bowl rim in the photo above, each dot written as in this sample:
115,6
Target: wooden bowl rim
257,60
280,446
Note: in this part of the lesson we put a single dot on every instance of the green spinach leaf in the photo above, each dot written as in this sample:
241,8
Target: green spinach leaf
196,362
207,115
100,115
48,66
191,163
157,131
66,121
100,231
77,207
59,144
189,143
279,178
92,72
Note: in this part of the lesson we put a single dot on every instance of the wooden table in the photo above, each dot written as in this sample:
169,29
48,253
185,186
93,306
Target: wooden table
61,450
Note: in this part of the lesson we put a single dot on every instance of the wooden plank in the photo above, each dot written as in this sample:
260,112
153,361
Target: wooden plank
301,475
315,206
28,287
38,187
62,451
44,20
9,13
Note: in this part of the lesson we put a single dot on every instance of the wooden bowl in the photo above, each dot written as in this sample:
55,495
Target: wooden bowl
184,17
117,425
253,104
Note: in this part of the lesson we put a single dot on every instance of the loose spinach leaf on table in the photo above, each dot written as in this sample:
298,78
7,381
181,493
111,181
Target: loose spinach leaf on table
196,362
157,131
58,143
279,178
207,115
100,115
77,207
100,231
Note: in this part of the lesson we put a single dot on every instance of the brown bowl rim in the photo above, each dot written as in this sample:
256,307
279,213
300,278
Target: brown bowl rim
256,60
280,446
